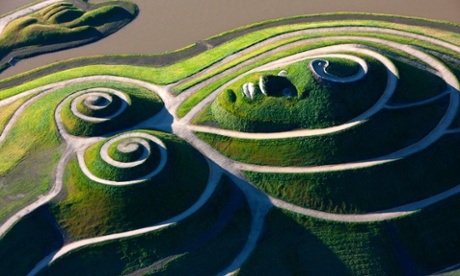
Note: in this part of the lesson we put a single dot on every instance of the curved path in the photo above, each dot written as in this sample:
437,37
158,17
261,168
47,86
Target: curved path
105,156
259,202
98,92
214,178
319,68
8,18
184,95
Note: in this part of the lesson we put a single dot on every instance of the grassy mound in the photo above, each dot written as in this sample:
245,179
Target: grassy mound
415,84
107,171
293,244
386,132
205,243
370,189
94,209
101,16
420,244
311,104
341,67
431,236
109,107
61,13
63,23
142,105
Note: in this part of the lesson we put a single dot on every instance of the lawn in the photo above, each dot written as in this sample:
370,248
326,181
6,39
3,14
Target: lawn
402,128
375,188
94,209
62,23
206,242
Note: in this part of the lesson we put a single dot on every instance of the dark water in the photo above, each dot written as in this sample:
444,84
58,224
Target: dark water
167,25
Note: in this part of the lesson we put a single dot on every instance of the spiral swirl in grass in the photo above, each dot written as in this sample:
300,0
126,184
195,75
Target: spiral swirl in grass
127,159
99,104
339,73
100,110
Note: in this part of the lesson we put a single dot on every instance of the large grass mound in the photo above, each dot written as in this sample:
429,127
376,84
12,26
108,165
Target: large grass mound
100,111
294,244
297,100
203,244
93,209
400,128
63,23
419,244
430,236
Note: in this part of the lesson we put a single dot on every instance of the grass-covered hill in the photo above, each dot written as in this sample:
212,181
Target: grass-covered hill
62,25
298,99
309,145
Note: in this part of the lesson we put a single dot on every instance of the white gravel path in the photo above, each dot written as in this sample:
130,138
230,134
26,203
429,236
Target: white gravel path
259,202
214,178
319,68
7,19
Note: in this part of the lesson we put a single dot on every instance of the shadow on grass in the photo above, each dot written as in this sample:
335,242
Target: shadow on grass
28,242
205,243
287,248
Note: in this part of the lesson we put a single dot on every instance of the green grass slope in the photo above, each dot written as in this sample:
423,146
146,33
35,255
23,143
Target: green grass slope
142,104
298,245
63,23
29,241
95,209
381,187
401,128
419,244
314,103
204,243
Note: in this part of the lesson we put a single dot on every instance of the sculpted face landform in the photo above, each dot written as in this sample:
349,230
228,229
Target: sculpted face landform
300,147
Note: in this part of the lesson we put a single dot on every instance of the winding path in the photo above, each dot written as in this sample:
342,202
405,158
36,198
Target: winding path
259,202
8,18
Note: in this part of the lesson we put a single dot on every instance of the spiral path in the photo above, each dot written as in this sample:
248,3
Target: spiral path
319,68
90,98
99,98
132,141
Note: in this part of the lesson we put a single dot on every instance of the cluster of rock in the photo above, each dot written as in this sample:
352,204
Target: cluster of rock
249,89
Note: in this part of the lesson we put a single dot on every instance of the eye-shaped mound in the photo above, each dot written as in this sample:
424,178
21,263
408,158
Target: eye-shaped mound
394,109
100,110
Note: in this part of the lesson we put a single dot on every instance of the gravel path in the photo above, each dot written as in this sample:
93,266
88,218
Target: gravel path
258,201
214,178
7,19
319,68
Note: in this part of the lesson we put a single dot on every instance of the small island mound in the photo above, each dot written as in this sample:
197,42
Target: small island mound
59,26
